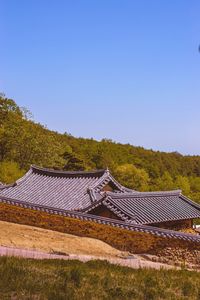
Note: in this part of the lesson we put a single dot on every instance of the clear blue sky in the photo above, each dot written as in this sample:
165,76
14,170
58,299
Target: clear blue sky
125,70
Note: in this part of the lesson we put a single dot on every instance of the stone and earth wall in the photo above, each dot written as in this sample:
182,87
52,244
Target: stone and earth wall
175,225
122,239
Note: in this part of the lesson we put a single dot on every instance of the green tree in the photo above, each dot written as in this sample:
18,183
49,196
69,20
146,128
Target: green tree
165,182
132,177
73,162
104,157
195,184
26,142
10,172
8,107
182,183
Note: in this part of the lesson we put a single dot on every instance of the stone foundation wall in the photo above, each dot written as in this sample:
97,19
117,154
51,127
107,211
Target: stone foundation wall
175,225
122,239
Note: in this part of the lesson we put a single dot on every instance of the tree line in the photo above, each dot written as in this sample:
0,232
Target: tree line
24,142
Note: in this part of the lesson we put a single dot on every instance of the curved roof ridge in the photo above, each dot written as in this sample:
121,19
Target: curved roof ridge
4,186
23,178
136,194
121,187
18,181
108,176
186,199
105,179
53,172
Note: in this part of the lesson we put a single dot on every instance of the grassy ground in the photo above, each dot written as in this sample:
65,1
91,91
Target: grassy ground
52,279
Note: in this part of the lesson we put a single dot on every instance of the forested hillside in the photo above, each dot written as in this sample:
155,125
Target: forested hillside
24,142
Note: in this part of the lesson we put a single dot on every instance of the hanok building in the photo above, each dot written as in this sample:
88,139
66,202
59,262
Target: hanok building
98,193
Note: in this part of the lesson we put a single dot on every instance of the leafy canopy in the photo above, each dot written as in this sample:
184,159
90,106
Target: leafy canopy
24,142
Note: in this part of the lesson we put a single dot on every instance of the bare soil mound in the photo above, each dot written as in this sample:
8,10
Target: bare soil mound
28,237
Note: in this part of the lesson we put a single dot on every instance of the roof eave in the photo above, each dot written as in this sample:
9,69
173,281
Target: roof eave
53,172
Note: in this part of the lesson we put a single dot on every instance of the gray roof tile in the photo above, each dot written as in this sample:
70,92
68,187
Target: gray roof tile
59,189
152,207
83,191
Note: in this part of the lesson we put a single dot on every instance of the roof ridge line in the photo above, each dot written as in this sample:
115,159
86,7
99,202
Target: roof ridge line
26,175
191,202
18,181
6,186
108,176
121,187
116,210
50,171
100,180
137,194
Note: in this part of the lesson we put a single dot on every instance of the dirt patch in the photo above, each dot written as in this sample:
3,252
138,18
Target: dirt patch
33,242
28,237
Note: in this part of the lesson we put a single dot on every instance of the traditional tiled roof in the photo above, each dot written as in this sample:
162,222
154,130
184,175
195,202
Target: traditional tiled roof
60,189
84,191
149,207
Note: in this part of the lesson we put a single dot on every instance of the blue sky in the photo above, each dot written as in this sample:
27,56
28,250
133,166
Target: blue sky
125,70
